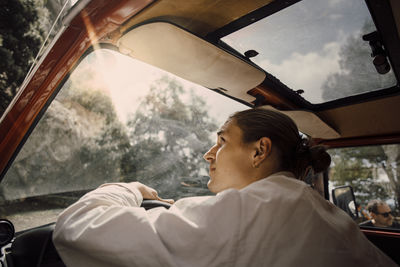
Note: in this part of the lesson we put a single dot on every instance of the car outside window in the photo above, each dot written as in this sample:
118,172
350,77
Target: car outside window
114,120
374,174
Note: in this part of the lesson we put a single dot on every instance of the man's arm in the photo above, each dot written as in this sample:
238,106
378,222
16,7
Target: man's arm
107,227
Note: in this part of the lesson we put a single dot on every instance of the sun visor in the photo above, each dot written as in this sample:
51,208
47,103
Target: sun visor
177,51
309,123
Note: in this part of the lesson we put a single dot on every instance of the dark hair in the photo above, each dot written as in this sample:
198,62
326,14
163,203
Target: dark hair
296,154
373,205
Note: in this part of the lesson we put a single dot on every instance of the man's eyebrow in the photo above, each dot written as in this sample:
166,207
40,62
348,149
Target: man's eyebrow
220,132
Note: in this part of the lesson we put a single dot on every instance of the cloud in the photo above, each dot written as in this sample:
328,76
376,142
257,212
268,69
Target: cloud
306,71
335,17
334,3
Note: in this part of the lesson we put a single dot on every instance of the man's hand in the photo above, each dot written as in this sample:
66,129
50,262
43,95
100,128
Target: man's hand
150,193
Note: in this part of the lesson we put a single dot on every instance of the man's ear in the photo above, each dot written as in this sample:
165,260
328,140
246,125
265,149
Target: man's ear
263,148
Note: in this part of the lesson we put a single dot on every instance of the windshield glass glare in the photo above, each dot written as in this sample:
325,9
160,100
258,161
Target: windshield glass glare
115,120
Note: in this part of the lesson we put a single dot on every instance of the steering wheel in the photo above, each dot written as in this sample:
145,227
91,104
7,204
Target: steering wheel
35,247
150,203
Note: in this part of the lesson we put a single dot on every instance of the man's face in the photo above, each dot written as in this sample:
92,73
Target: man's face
230,159
380,219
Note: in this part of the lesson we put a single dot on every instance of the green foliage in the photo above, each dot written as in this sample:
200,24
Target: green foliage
98,102
80,143
21,37
363,168
358,167
24,25
358,74
169,135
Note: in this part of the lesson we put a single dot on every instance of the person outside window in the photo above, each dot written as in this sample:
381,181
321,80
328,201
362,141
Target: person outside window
381,215
263,214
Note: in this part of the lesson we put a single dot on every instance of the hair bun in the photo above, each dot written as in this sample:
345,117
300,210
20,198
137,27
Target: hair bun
320,159
303,147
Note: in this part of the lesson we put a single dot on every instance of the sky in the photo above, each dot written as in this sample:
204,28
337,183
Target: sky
127,81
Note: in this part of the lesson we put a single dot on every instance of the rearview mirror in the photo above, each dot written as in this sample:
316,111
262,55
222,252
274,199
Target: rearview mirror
343,197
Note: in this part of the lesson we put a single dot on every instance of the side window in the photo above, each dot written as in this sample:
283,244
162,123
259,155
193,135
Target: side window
114,120
374,174
26,29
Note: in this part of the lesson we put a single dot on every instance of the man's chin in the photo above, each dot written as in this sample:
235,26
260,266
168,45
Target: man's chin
211,186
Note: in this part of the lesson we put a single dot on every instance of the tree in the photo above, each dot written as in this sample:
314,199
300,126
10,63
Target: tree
24,25
358,168
76,146
168,138
363,167
357,74
20,40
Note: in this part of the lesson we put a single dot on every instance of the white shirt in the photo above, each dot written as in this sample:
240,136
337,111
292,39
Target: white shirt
276,221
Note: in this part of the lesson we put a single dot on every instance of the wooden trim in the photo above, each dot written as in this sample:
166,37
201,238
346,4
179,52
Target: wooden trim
380,233
269,97
360,141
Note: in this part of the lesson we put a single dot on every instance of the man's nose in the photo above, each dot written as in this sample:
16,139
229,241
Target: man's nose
210,154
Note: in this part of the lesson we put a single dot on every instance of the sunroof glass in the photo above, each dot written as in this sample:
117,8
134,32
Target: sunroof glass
316,46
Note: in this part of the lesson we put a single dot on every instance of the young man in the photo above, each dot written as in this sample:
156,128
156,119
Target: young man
262,215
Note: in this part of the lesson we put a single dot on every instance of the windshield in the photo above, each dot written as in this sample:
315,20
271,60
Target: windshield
114,120
316,46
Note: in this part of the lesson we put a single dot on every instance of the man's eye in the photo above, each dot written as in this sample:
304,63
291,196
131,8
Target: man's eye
221,139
